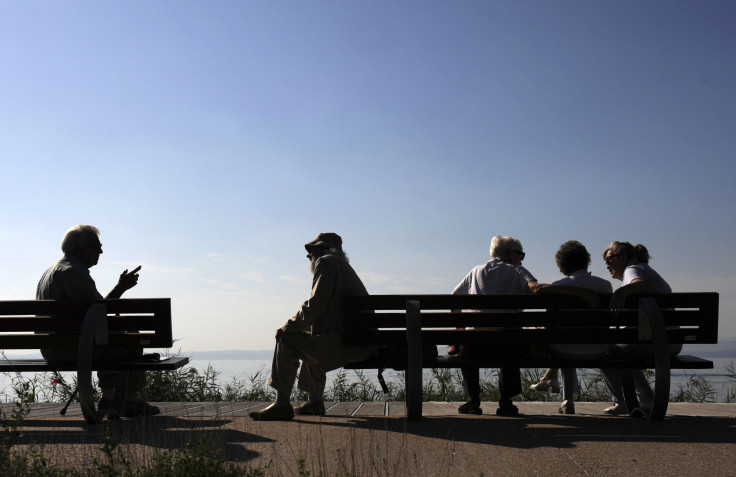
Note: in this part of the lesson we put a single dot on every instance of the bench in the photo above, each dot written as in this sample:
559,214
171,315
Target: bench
413,320
85,325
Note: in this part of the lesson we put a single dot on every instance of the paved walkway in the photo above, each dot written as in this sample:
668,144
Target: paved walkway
374,439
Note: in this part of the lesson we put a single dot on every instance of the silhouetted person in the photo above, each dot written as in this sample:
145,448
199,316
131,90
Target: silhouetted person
312,335
69,279
630,264
573,260
503,274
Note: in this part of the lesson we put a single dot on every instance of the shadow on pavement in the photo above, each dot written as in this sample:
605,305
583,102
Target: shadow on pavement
540,431
160,432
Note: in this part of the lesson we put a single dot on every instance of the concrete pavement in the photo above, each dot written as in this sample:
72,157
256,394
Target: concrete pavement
371,439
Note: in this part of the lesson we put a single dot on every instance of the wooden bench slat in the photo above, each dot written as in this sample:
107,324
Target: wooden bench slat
677,318
41,365
83,326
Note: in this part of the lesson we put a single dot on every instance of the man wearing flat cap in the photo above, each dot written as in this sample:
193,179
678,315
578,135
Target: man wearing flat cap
312,335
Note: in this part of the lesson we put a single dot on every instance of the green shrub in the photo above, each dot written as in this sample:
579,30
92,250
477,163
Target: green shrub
252,389
696,389
183,384
441,384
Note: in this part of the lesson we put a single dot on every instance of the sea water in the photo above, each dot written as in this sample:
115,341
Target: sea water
243,370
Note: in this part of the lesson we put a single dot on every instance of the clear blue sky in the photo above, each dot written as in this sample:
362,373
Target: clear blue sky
210,140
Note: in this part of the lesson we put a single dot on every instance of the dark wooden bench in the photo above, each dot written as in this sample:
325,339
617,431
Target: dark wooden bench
83,326
413,320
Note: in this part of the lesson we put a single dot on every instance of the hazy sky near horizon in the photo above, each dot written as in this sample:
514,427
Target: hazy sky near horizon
210,140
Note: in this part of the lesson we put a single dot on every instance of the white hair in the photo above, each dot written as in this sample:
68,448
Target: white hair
501,245
78,236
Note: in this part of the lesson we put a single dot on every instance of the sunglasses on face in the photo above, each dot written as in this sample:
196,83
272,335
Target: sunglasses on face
610,258
520,253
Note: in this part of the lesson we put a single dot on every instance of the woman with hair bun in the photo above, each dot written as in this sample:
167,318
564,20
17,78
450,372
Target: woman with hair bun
630,264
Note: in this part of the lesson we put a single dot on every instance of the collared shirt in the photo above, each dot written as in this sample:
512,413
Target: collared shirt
67,279
494,278
584,279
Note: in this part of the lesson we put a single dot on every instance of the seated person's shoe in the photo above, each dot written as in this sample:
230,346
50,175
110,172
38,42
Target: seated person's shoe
273,413
616,409
140,408
506,408
470,407
508,411
548,385
131,408
311,409
567,407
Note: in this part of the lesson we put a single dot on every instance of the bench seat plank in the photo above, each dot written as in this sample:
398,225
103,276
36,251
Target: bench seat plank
41,365
678,362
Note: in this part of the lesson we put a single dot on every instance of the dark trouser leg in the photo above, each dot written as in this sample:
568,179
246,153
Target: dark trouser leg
471,383
509,382
569,383
136,380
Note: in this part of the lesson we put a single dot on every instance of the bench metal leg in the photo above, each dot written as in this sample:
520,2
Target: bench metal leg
649,311
68,403
414,362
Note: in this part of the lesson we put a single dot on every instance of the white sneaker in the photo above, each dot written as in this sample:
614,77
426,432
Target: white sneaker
548,385
616,410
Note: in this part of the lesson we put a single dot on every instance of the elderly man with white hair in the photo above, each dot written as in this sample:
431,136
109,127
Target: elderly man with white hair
503,274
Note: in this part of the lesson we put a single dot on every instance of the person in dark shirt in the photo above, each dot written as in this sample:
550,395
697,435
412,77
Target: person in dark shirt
69,279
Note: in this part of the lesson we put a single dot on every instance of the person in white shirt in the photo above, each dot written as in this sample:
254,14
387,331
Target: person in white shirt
630,264
573,260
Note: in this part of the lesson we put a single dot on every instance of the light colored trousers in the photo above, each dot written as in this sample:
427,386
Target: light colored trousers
290,349
317,354
615,377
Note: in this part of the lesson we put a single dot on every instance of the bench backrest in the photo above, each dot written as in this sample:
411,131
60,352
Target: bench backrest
537,319
35,324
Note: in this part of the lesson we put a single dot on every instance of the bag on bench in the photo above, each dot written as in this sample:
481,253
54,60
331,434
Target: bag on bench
397,357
